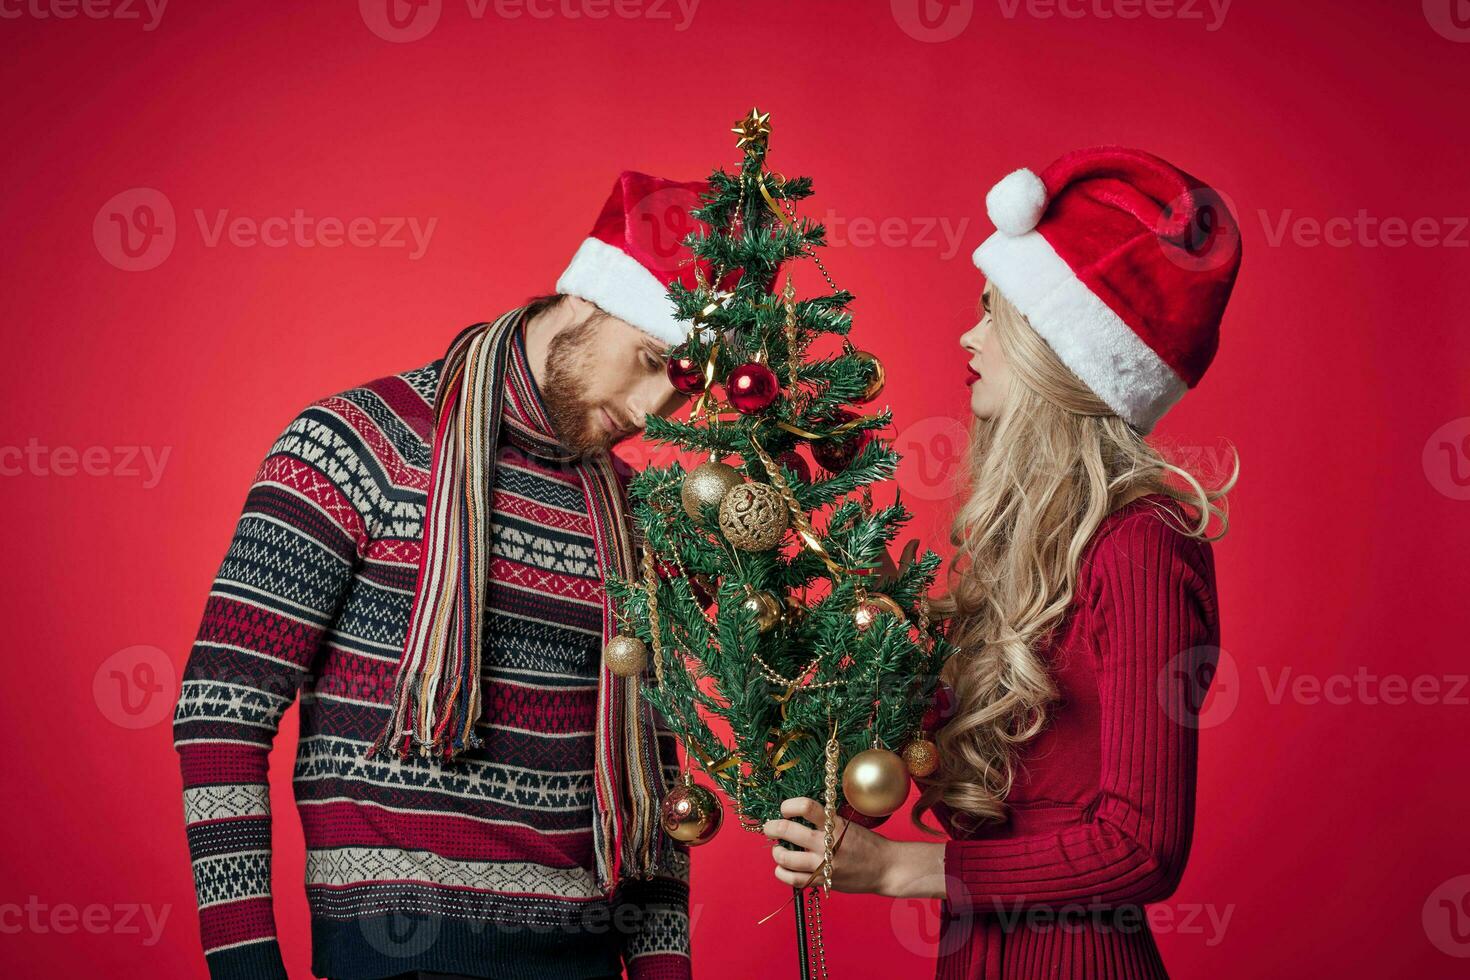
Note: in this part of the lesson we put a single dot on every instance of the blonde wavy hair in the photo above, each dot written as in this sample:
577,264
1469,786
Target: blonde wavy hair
1043,473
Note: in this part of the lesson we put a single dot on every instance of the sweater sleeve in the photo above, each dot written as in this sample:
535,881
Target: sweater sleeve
287,571
657,946
1149,595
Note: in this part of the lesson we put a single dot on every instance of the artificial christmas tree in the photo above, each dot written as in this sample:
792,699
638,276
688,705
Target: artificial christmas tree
809,664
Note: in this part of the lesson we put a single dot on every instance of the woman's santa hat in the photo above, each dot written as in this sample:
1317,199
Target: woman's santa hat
636,250
1123,263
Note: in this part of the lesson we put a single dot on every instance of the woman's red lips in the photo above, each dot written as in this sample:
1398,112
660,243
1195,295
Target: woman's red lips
973,375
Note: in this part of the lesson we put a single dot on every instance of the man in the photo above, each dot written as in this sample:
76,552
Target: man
423,557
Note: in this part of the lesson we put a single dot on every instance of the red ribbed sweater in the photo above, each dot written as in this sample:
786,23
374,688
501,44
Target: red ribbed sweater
1102,809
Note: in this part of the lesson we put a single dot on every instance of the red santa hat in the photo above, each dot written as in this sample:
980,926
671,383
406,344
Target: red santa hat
1123,263
636,249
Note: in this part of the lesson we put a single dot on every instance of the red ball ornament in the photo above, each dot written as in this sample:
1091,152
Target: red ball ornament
941,708
837,453
794,462
752,388
686,375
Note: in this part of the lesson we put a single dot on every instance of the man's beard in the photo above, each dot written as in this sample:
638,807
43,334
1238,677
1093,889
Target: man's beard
569,366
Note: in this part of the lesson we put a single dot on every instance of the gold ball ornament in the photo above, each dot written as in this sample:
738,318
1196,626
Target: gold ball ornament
921,756
870,607
876,376
753,516
765,608
625,656
691,814
865,615
875,782
706,485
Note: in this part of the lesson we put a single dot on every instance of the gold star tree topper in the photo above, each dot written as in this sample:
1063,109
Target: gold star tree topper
753,129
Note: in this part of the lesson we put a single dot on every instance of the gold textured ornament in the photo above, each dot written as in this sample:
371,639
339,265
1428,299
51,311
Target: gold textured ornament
706,485
691,814
876,376
921,756
765,608
875,782
753,516
625,656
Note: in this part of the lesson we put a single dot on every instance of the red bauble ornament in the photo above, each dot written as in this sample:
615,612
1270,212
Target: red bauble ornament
837,453
861,819
794,462
686,375
941,708
752,388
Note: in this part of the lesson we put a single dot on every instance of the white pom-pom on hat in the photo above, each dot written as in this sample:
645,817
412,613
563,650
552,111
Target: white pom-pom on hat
1017,202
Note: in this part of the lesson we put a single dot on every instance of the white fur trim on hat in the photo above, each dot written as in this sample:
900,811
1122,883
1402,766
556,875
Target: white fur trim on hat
1085,333
606,275
1017,202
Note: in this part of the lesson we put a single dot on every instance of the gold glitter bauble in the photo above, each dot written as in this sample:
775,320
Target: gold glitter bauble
766,609
706,485
922,757
753,516
876,376
691,814
875,782
625,656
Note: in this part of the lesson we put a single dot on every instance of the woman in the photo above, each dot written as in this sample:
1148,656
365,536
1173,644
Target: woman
1083,598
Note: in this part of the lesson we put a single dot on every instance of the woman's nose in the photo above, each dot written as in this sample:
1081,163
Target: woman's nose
970,339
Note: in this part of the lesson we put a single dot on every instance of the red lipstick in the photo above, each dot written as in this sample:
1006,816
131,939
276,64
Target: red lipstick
973,375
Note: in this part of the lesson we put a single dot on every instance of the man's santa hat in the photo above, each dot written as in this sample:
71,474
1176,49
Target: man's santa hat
1123,264
636,249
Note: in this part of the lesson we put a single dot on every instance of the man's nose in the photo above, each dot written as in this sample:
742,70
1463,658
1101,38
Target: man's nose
657,397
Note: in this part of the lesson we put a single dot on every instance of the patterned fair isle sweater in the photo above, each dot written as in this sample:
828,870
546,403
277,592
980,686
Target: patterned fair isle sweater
483,868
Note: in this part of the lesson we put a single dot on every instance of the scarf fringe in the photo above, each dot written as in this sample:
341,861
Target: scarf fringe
436,696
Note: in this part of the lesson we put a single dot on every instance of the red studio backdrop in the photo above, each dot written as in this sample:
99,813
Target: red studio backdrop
214,213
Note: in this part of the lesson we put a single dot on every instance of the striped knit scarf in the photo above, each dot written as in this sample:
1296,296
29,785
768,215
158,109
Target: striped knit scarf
436,698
